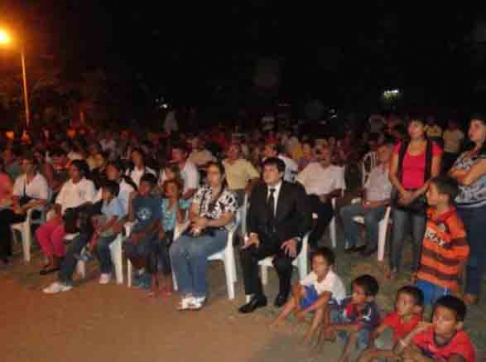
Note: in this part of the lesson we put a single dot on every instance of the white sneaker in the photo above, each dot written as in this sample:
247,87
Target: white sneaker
105,278
185,303
197,303
57,287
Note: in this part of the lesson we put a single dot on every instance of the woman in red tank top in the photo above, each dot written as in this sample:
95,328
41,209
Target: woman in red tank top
413,165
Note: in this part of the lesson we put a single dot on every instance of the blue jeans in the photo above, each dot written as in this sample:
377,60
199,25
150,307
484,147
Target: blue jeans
431,291
475,224
372,217
103,253
405,222
189,258
69,263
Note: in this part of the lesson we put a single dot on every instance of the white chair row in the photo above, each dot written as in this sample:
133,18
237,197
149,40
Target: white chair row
25,229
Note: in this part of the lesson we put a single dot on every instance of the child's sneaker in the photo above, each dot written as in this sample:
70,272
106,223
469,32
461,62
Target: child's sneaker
185,303
57,287
105,278
197,303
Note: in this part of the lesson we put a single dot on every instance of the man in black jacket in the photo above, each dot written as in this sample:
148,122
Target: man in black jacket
279,217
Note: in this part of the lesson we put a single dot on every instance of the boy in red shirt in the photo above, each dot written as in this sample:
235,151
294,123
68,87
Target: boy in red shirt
407,315
444,340
444,249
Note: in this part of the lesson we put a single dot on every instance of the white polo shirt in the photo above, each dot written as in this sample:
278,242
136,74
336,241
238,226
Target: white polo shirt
36,189
331,283
74,195
320,181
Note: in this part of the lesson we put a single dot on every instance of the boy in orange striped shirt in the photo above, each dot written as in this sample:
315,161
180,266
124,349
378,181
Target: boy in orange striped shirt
444,249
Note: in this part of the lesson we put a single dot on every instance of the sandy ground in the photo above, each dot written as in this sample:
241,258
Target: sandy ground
114,323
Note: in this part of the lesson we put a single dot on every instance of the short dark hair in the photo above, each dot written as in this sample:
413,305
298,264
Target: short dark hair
275,161
454,304
368,283
112,187
446,185
414,292
180,146
150,179
57,152
326,253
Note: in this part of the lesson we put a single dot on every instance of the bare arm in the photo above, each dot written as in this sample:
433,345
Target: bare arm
471,176
394,175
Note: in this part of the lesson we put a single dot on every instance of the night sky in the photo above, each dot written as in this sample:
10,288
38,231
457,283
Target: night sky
333,50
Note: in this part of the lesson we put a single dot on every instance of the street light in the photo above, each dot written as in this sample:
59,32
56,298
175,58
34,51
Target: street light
5,39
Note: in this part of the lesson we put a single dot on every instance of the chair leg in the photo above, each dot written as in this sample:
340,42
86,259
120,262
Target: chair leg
229,279
381,240
332,232
264,272
26,241
81,269
116,257
129,273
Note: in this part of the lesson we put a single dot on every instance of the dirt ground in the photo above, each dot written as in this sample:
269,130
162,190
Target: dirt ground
114,323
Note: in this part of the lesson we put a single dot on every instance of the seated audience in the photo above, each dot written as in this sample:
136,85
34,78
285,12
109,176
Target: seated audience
322,181
377,191
76,191
278,219
211,216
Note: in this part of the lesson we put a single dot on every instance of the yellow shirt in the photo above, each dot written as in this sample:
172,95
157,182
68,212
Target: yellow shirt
239,173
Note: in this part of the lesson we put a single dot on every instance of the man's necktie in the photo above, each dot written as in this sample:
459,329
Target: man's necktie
271,209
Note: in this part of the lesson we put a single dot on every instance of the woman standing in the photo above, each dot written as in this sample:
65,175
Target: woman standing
211,215
30,191
414,163
470,172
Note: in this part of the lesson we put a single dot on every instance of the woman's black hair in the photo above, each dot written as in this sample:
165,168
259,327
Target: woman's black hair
219,165
119,165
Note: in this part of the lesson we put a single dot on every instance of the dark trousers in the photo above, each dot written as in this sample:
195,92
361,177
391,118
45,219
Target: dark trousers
282,263
475,225
325,214
7,218
69,263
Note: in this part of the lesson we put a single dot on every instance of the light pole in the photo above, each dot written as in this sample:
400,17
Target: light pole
5,39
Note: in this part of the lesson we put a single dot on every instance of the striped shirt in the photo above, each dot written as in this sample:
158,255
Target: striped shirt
444,249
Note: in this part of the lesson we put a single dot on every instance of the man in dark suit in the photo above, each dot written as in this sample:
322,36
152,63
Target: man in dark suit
278,219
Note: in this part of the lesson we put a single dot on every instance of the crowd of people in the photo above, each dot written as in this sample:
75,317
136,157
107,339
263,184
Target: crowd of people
92,185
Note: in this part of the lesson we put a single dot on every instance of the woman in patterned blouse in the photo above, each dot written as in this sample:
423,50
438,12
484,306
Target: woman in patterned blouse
211,216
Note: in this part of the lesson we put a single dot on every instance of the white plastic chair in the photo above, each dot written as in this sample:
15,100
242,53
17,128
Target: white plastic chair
301,262
382,229
227,255
25,229
116,258
368,163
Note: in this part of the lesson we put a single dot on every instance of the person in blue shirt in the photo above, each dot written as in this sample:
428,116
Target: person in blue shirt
173,212
105,231
145,212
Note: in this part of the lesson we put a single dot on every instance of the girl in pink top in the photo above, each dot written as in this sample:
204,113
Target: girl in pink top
410,177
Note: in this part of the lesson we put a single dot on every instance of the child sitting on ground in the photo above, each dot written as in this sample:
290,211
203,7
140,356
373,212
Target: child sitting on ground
445,249
172,213
443,340
315,293
407,314
145,210
356,318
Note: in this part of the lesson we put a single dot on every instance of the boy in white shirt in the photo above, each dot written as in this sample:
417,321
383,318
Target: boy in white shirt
320,289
